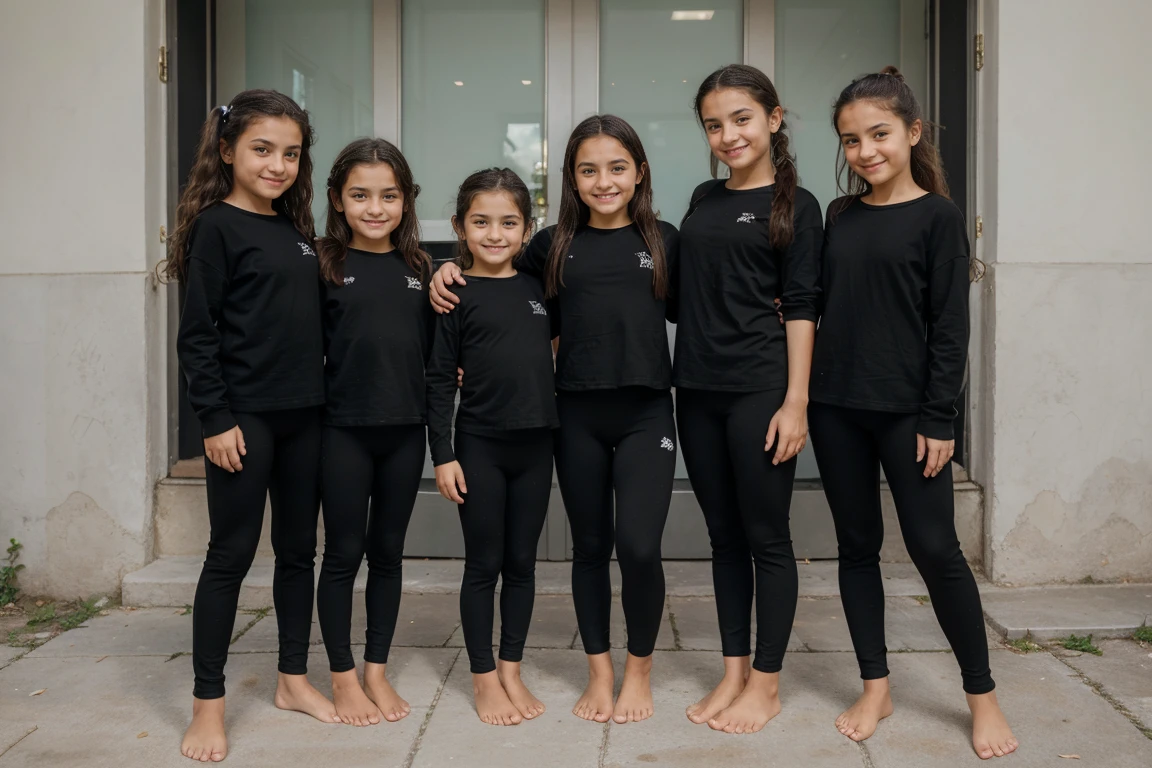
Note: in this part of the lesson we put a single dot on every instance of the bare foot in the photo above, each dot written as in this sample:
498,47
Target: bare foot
205,740
596,703
736,670
635,701
758,703
352,705
383,695
991,736
295,693
508,672
859,721
492,702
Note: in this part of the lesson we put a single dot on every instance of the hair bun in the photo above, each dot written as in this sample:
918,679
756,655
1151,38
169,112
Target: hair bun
893,71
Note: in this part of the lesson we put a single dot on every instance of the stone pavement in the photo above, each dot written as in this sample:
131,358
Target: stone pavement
116,693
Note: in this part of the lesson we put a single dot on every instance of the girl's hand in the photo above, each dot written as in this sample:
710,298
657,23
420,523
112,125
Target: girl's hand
448,477
225,449
459,378
939,454
443,300
789,430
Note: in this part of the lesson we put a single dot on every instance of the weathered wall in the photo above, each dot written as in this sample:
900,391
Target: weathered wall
82,390
1065,412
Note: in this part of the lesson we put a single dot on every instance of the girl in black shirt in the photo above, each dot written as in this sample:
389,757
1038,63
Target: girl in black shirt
742,379
890,362
377,335
607,264
500,472
250,347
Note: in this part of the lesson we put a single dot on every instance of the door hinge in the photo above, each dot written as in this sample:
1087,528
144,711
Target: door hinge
979,51
162,64
979,227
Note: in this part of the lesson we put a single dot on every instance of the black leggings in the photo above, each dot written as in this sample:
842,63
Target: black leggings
851,446
282,462
383,464
745,500
509,480
623,440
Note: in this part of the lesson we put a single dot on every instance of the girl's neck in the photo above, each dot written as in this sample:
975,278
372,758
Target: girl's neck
615,220
371,246
899,189
480,269
246,201
760,174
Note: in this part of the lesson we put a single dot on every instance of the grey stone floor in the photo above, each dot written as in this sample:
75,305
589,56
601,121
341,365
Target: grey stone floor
116,693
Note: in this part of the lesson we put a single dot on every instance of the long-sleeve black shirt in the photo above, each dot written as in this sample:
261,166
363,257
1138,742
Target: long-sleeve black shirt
378,328
612,326
729,336
250,337
893,335
501,335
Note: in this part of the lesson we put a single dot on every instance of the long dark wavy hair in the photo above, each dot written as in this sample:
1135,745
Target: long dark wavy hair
333,247
489,180
574,212
888,90
756,84
210,180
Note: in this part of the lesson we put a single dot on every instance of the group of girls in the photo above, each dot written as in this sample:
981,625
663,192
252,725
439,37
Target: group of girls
330,388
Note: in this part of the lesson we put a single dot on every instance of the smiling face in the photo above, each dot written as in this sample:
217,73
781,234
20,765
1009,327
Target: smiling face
494,230
738,127
606,177
877,143
373,205
265,161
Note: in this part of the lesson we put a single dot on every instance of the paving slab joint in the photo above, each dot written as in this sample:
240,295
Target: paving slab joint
865,755
603,755
416,742
1103,693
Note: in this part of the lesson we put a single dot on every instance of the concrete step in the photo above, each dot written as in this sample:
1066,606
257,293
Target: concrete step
181,524
1054,612
171,581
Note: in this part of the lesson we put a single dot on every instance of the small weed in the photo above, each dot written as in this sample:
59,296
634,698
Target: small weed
86,610
9,589
1143,634
922,599
1083,644
1025,645
42,615
1088,580
187,611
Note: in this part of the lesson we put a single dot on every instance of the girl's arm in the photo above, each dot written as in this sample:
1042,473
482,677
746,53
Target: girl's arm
440,376
947,336
198,341
672,259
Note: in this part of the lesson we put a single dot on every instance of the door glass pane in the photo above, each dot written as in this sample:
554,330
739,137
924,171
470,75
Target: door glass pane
473,97
319,52
651,63
821,45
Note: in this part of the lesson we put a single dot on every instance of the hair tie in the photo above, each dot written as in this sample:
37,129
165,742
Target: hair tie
224,110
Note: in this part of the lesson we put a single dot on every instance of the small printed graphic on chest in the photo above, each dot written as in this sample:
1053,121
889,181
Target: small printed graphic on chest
349,280
645,260
414,282
666,444
306,249
538,308
746,218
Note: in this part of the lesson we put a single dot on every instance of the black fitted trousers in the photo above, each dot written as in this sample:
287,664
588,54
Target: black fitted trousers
745,500
369,479
282,464
509,480
851,445
617,445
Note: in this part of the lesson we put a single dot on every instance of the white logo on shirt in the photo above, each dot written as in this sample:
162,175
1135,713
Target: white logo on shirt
571,256
666,444
746,218
414,282
538,308
645,260
306,249
349,280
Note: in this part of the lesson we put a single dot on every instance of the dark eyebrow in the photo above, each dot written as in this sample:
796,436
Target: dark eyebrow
732,114
365,189
269,142
880,125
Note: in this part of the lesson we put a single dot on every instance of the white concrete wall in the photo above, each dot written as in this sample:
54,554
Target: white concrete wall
82,337
1066,411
